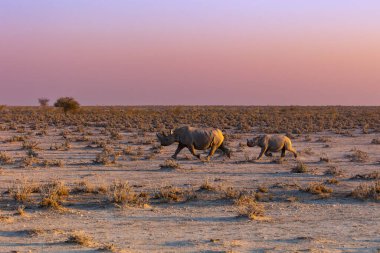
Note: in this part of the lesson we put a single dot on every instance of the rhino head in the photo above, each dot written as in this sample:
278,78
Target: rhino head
166,139
253,142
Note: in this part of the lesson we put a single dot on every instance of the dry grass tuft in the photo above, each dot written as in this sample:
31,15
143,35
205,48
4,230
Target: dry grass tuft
324,158
53,163
174,194
122,193
170,164
375,175
6,219
107,156
318,189
367,191
333,171
5,158
87,187
332,181
358,156
81,238
248,207
300,168
207,186
22,191
53,195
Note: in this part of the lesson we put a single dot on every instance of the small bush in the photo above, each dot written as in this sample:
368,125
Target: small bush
248,207
22,191
81,238
53,195
333,171
358,156
122,193
332,181
207,186
369,176
300,168
5,158
367,191
375,141
43,102
174,194
318,188
170,164
67,104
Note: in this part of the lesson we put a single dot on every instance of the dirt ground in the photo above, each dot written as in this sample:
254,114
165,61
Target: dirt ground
294,221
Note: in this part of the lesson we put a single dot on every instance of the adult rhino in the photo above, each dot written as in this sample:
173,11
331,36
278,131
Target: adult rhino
272,143
195,138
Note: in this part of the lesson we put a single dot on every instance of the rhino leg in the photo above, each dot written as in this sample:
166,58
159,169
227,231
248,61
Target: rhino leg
192,151
225,150
283,152
179,148
293,151
212,152
263,150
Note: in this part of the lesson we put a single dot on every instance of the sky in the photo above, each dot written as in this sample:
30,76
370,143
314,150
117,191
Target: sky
191,52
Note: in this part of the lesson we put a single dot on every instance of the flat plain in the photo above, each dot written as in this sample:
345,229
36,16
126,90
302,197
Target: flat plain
98,181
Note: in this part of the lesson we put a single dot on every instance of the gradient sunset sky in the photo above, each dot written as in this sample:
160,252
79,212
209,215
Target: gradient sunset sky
160,52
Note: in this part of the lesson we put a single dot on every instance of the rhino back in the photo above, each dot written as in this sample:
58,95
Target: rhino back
276,142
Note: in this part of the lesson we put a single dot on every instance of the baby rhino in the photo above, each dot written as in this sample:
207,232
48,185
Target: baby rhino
272,143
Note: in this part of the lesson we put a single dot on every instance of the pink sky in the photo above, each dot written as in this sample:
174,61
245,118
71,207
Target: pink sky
199,52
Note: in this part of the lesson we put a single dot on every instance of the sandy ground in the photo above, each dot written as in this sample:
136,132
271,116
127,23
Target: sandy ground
296,221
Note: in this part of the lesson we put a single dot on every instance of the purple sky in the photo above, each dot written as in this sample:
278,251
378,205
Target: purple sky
252,52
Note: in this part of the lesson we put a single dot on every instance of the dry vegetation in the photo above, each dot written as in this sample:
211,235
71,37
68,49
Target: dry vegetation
101,170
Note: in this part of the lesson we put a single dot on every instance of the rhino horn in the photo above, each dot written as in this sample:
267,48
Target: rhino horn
171,131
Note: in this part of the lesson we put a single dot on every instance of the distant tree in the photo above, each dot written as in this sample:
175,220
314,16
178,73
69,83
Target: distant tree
43,102
67,104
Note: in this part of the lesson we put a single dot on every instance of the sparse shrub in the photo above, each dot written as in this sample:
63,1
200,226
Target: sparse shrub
333,171
332,181
115,135
5,158
107,156
21,211
318,188
248,207
324,158
123,193
307,151
67,104
324,139
369,176
86,187
300,168
358,156
53,195
367,191
53,163
21,191
28,161
174,194
207,186
231,193
156,149
170,164
30,145
43,102
128,151
81,238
